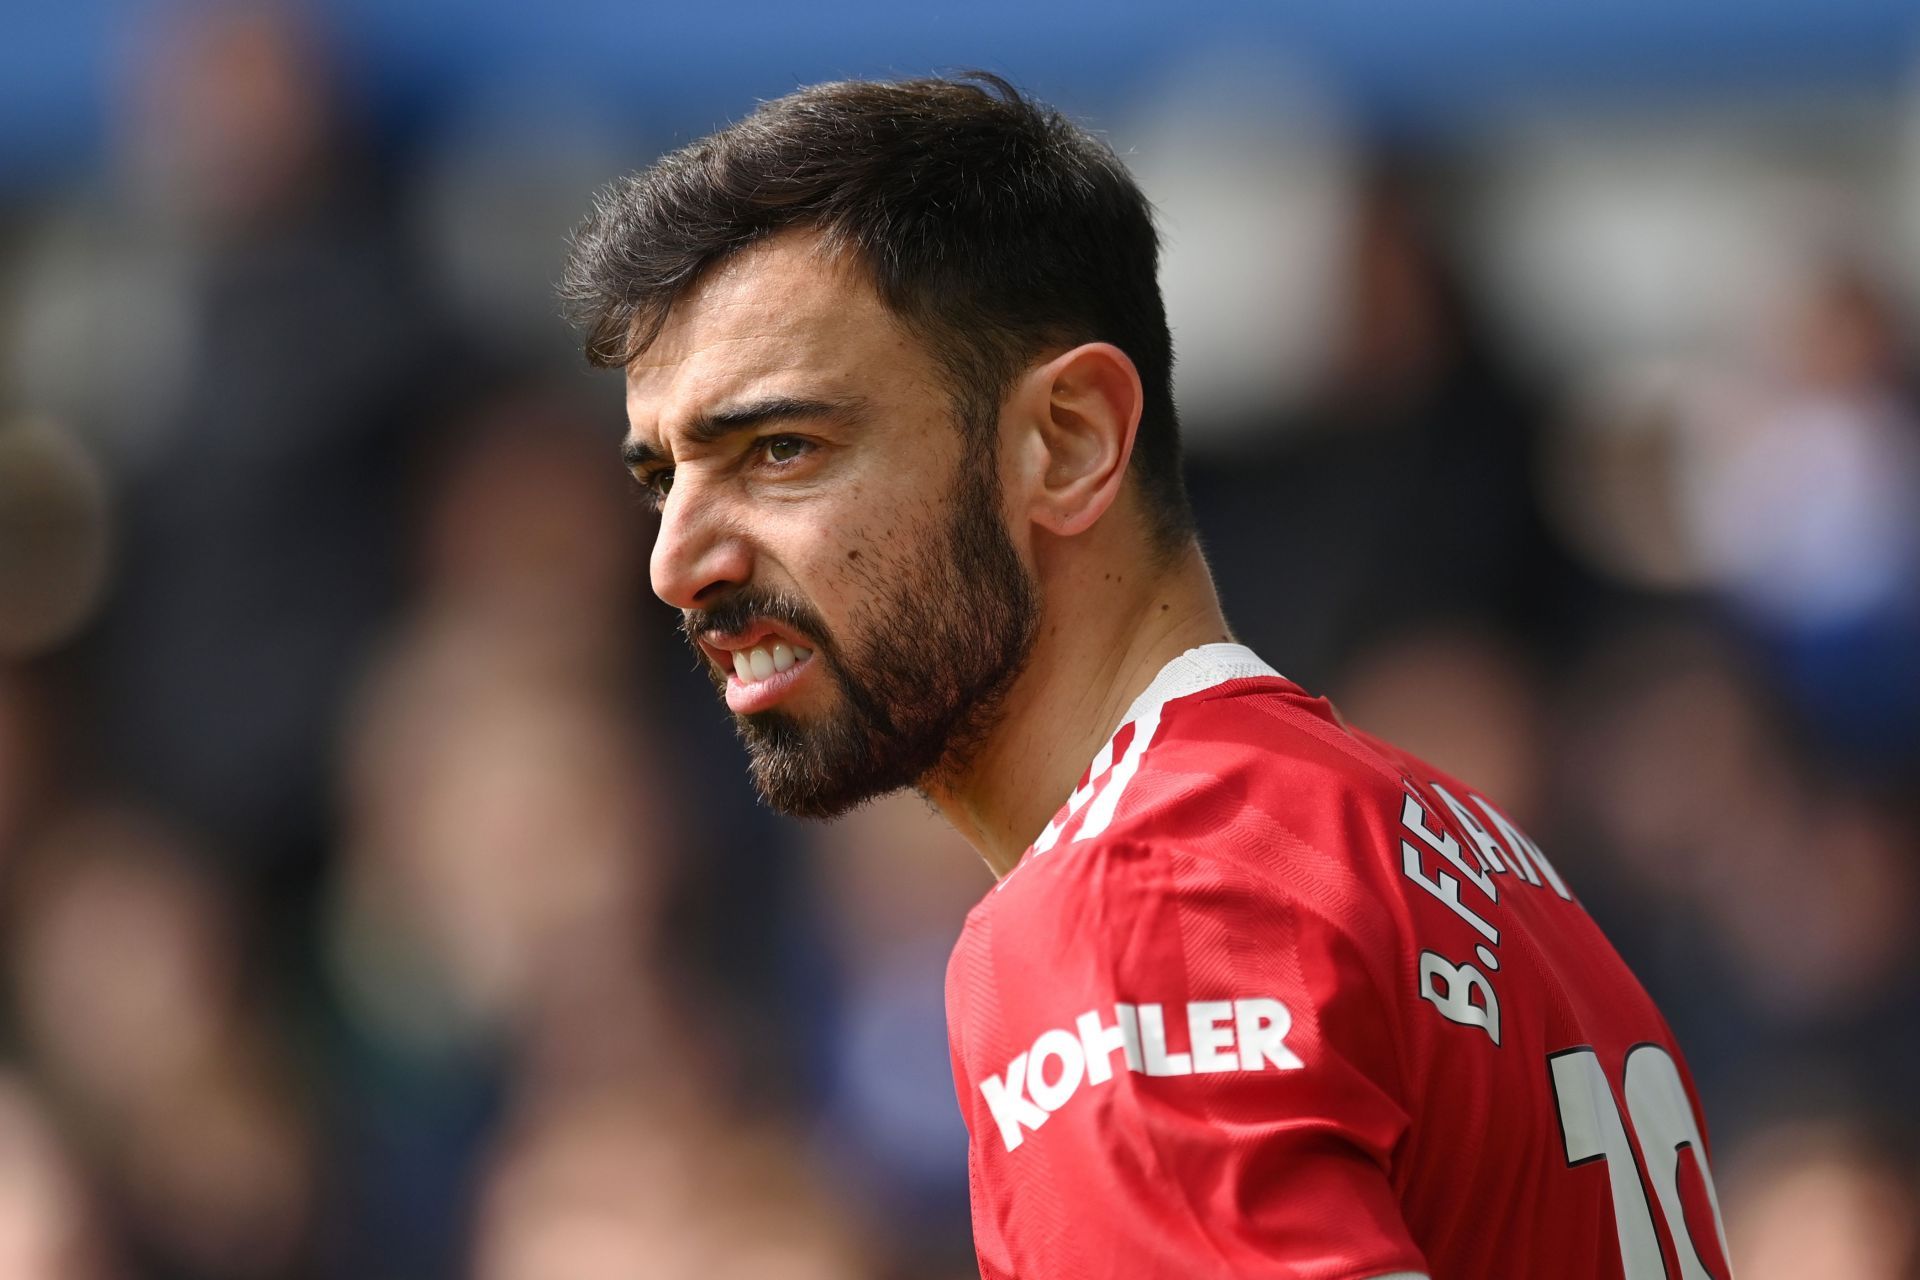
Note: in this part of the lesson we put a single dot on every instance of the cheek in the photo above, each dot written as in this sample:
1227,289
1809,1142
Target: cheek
854,556
857,569
875,554
837,564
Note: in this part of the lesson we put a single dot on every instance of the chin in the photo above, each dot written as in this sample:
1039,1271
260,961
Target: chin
812,800
815,773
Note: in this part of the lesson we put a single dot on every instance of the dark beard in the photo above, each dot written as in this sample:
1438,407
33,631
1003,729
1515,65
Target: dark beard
922,682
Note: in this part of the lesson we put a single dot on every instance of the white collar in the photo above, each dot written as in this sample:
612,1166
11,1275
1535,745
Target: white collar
1195,670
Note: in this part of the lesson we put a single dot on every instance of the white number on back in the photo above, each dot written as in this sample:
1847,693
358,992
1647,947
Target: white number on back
1664,1124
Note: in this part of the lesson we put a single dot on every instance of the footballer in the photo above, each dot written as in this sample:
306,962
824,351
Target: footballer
1255,994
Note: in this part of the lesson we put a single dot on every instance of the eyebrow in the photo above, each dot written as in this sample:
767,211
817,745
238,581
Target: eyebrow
729,420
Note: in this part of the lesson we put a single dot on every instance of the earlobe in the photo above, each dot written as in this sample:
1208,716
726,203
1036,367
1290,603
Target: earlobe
1087,404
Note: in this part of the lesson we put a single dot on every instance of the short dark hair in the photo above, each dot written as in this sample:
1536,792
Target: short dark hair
991,225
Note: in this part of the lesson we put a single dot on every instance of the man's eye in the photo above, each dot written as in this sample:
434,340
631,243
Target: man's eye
785,448
658,484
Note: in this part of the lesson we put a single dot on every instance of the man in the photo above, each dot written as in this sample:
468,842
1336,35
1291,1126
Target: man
1256,994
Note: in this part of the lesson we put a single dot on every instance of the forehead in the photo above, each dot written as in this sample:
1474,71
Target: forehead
784,317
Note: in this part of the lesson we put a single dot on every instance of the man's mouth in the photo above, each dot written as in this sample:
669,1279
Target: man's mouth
764,662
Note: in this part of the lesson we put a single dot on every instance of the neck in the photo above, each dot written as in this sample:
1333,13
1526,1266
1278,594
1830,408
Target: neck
1103,638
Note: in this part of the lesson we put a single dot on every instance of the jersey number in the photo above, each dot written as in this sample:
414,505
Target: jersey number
1664,1125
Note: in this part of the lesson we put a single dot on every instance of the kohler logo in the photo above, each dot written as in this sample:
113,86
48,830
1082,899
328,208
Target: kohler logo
1247,1034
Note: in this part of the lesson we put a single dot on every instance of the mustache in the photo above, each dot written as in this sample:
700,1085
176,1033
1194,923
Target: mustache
747,605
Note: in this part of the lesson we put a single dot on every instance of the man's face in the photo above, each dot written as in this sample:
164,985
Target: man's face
831,532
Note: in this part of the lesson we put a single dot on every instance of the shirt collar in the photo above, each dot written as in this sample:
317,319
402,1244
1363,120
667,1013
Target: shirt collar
1195,670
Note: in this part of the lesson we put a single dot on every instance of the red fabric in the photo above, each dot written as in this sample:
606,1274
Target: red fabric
1257,852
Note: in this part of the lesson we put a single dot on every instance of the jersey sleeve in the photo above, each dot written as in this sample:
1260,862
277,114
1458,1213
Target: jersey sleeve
1172,1068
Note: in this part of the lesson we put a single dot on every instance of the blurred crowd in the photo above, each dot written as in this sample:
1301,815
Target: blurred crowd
381,892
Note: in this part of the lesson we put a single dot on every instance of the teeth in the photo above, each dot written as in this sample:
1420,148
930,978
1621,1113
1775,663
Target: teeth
761,661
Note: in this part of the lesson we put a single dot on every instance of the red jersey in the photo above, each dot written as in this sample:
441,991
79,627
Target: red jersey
1271,998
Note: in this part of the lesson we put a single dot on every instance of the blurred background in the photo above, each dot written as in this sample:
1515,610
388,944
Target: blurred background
381,892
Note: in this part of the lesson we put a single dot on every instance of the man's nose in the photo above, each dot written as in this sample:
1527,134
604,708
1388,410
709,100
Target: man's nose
697,555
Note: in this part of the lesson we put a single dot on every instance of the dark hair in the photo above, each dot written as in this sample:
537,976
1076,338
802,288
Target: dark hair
991,225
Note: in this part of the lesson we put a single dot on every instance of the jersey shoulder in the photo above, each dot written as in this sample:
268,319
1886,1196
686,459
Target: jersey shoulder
1260,754
1240,813
1252,776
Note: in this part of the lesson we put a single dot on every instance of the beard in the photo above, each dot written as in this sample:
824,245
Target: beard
922,670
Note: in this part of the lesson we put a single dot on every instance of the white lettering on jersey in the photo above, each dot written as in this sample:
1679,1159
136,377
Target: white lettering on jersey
1452,989
1463,993
1484,844
1099,1042
1522,849
1223,1035
1413,818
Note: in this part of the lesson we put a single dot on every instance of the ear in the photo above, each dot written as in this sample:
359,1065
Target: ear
1083,408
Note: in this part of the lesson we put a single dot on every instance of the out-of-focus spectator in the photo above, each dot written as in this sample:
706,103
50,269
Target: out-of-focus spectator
495,912
127,972
493,924
1821,1201
49,1226
516,852
1802,491
1334,534
528,524
1786,482
1805,502
501,812
53,539
1464,699
651,1180
270,358
131,985
1610,475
